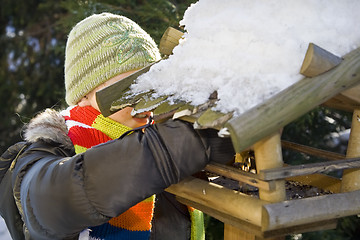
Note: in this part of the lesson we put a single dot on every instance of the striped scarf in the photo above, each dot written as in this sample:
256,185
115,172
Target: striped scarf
88,127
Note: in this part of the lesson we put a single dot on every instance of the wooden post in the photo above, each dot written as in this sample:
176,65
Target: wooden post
169,40
233,233
351,177
268,155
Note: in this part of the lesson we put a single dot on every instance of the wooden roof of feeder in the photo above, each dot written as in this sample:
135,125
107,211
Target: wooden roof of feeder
328,80
328,88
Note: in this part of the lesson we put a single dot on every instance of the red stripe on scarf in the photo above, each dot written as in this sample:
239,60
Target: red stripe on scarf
90,137
86,115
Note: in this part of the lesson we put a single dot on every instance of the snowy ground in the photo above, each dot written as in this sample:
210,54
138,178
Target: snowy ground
4,234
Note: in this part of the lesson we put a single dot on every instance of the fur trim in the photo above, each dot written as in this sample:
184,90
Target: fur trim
48,126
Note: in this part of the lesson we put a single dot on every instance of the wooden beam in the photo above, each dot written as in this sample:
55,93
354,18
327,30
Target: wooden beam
312,151
342,102
321,181
348,100
353,93
256,231
227,219
169,40
239,175
307,210
309,227
305,169
286,106
239,205
106,96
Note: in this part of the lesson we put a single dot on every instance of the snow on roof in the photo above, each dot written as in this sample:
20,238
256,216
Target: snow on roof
249,50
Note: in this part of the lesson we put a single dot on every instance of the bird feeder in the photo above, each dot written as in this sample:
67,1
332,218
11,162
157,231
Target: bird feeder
329,81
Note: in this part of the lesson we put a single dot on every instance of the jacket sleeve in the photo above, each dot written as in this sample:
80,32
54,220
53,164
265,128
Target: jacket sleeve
8,209
59,196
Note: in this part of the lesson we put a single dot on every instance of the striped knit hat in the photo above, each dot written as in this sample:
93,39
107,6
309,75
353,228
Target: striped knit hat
101,47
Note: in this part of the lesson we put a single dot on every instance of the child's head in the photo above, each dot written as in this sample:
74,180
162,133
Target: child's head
103,46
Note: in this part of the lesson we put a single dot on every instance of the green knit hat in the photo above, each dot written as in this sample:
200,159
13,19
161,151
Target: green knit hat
101,47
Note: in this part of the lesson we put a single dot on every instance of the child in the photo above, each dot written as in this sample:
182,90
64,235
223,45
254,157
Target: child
82,175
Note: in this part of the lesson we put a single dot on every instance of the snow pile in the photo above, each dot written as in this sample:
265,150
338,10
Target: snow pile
249,50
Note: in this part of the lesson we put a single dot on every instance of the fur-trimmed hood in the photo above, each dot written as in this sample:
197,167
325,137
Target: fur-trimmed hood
48,126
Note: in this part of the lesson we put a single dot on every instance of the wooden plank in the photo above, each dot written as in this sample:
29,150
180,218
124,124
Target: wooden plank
224,217
308,210
310,227
239,175
147,103
212,119
286,106
251,229
322,181
353,93
169,40
312,151
348,100
239,205
305,169
342,102
105,97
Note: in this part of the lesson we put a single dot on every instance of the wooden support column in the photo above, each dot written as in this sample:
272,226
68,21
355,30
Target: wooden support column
268,155
351,177
233,233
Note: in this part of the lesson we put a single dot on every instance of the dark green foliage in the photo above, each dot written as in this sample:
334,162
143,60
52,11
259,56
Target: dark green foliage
347,229
31,70
314,129
214,228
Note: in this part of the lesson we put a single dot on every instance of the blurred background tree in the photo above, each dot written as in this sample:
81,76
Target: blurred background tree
33,38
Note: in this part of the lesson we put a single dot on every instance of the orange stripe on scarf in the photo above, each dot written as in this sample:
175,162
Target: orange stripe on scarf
137,218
